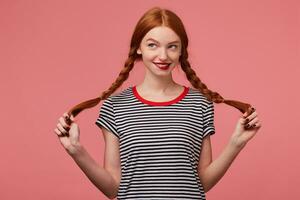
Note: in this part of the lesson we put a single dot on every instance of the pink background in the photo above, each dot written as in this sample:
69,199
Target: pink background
55,54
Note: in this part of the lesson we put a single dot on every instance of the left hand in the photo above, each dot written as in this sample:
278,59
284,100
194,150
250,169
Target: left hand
243,134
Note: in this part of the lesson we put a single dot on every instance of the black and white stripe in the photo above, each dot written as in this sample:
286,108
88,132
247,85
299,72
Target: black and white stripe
159,145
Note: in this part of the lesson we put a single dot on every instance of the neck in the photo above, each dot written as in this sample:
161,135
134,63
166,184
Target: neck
159,85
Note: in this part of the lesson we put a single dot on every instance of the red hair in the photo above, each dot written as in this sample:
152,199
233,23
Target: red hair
154,17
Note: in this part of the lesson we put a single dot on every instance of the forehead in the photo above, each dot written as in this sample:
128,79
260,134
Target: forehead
161,34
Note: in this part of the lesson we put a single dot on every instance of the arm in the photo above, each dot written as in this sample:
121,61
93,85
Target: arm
210,172
106,179
99,176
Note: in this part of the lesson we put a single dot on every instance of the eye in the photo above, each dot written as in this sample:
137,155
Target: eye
150,45
174,46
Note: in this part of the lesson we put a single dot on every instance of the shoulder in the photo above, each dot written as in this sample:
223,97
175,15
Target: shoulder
197,96
121,96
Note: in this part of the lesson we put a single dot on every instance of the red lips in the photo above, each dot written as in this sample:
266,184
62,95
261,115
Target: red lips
162,63
163,66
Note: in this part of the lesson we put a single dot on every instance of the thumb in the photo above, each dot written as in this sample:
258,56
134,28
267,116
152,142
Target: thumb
245,114
248,112
72,118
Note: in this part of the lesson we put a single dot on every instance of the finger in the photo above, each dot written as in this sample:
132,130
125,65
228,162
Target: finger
254,124
64,123
72,118
251,127
67,118
244,121
247,117
253,121
258,125
58,133
61,129
245,114
251,116
66,114
251,109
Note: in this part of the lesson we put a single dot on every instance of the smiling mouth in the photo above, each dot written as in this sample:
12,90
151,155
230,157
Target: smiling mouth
163,65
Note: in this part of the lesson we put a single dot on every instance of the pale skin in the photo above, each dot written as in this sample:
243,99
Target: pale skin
158,85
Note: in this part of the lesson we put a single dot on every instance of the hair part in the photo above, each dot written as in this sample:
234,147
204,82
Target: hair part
154,17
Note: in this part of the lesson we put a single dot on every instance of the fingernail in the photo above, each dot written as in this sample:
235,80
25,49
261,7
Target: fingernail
67,118
247,120
247,126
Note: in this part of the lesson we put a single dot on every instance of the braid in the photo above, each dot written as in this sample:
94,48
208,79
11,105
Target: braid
210,95
153,18
123,75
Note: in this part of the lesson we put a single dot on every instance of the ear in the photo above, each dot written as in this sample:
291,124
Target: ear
138,51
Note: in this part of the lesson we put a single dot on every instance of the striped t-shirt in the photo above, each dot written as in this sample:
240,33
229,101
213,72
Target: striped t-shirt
160,143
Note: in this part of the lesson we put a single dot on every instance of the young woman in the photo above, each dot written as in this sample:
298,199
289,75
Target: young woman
157,134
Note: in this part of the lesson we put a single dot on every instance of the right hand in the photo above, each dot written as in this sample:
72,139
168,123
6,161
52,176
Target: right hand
68,134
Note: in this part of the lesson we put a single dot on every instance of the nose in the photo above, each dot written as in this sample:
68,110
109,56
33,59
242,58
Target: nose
163,54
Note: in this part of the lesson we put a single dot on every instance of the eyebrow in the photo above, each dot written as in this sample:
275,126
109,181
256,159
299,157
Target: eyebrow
176,41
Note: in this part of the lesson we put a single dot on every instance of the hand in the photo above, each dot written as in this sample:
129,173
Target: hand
244,133
68,133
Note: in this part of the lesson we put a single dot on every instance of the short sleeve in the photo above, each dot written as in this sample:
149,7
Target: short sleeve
106,117
208,120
